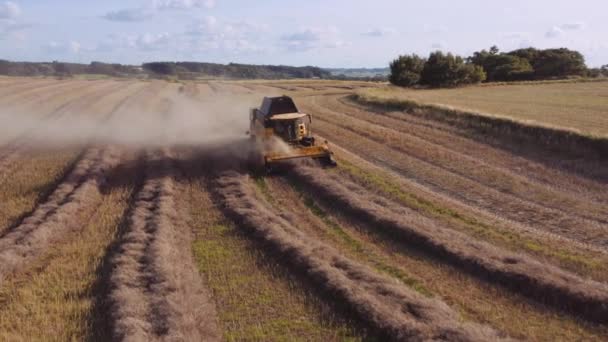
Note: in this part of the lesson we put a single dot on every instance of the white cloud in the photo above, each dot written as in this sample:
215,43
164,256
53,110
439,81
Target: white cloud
149,41
140,42
210,33
204,26
438,46
130,14
9,10
336,44
154,7
557,31
554,32
8,27
74,47
572,26
380,32
55,47
183,4
516,35
206,35
524,44
313,38
434,29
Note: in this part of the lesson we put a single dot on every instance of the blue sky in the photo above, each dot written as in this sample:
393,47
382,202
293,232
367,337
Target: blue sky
330,33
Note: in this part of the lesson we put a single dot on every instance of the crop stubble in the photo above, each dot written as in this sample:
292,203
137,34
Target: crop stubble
386,306
157,294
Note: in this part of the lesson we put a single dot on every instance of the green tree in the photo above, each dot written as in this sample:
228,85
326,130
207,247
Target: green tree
530,54
448,70
510,68
559,63
553,63
162,68
501,66
594,72
5,67
406,70
470,74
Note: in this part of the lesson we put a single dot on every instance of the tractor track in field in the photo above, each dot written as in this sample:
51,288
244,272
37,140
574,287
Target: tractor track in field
541,282
61,213
476,170
561,220
156,291
26,87
39,95
385,306
525,170
478,213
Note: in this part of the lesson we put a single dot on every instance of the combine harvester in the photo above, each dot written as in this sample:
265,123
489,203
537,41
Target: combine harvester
280,133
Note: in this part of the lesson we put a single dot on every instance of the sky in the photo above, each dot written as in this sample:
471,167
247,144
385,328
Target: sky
326,33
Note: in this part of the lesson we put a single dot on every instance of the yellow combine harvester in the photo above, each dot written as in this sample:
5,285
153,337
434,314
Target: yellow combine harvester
280,133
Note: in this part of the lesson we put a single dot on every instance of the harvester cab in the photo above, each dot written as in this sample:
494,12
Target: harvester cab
281,132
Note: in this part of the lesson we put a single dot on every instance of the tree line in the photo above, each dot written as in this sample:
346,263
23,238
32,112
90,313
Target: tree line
9,68
448,70
186,70
181,70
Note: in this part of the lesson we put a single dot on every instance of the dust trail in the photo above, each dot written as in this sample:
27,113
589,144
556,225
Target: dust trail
12,90
388,307
60,214
157,293
30,98
519,272
21,126
190,122
22,138
67,206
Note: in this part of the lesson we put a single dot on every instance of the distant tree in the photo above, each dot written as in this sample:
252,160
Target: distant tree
448,70
4,67
61,69
529,64
531,54
553,63
594,73
162,68
559,63
502,67
406,70
470,74
101,68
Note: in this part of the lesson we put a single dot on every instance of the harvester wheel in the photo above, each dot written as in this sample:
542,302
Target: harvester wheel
328,161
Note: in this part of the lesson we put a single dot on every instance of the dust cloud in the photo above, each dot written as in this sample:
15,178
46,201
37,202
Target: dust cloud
168,120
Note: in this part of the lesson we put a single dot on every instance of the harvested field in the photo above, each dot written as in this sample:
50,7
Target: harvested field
415,151
580,106
129,214
392,311
77,194
541,282
156,291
